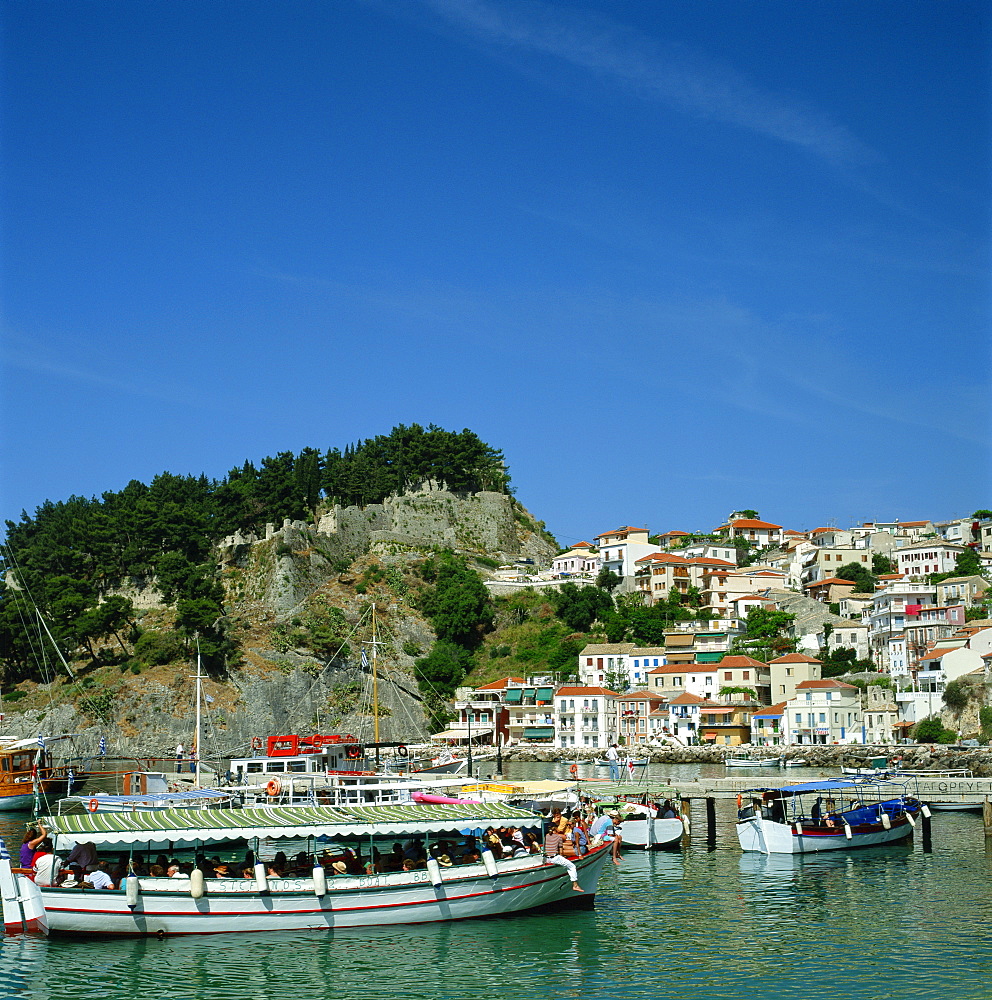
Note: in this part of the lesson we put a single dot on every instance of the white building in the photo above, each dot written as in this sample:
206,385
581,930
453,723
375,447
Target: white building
585,716
618,664
581,560
921,559
825,711
620,549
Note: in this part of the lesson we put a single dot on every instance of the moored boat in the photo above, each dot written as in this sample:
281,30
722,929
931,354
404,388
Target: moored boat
645,827
824,816
743,759
302,900
28,774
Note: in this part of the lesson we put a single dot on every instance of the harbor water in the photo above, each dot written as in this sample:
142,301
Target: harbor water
697,923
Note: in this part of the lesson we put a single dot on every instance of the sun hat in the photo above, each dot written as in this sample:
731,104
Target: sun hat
340,867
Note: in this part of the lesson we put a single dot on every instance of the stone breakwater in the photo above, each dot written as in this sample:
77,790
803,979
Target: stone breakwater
922,757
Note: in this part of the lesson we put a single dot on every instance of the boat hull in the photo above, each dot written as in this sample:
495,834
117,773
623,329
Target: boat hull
649,834
463,893
770,837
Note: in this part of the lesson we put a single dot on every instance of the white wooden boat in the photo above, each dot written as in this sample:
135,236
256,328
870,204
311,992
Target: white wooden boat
749,760
836,815
310,901
642,827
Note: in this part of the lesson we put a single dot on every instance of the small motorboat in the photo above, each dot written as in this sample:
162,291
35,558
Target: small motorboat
750,760
836,815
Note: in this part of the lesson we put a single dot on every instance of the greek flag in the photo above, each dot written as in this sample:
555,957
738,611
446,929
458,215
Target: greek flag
103,746
41,742
365,660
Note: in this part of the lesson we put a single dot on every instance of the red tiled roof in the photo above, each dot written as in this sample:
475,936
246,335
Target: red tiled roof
500,684
689,699
750,522
739,661
936,654
827,682
586,690
831,580
795,658
778,709
621,531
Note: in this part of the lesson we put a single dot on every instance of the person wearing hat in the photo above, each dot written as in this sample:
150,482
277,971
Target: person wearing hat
339,868
222,871
444,860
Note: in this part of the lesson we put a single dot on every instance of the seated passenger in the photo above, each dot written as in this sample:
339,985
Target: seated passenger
46,865
99,879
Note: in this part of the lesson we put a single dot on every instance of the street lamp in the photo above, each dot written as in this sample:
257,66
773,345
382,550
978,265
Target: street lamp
470,739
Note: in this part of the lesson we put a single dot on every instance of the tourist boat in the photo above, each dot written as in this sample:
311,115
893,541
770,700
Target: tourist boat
795,762
310,899
28,775
833,815
750,760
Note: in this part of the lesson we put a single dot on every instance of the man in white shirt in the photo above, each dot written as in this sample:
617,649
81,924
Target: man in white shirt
613,759
99,879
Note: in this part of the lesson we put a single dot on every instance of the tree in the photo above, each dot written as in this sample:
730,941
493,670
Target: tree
956,696
931,730
882,565
751,515
458,604
578,607
863,581
608,580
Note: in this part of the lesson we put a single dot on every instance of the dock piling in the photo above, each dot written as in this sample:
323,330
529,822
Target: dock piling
710,823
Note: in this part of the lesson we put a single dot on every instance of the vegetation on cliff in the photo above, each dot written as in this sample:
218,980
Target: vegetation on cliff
68,558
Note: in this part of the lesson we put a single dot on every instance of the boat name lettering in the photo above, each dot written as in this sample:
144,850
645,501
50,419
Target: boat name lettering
367,881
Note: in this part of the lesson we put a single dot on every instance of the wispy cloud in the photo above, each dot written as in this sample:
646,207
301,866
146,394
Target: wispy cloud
669,74
25,355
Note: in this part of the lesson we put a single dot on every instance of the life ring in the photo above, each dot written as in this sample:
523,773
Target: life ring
256,743
316,742
94,804
739,800
401,750
353,753
273,788
574,770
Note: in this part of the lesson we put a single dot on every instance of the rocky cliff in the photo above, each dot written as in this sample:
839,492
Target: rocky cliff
295,598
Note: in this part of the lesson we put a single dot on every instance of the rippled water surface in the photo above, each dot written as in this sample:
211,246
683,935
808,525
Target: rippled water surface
892,922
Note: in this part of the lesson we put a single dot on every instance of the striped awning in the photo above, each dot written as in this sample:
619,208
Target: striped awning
183,827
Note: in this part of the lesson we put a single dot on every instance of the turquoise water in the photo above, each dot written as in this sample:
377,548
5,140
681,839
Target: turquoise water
892,922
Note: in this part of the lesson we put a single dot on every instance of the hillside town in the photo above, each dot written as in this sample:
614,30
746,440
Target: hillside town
905,601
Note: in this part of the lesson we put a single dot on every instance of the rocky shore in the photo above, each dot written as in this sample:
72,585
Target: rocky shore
919,757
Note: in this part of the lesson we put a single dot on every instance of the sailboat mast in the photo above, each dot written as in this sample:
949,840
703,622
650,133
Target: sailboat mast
195,757
375,678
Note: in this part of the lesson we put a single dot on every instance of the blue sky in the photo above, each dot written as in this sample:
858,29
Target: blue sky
673,258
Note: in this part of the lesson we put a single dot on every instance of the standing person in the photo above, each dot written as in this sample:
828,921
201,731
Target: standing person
613,759
30,844
179,757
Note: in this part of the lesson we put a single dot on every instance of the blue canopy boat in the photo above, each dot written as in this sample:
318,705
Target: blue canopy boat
834,815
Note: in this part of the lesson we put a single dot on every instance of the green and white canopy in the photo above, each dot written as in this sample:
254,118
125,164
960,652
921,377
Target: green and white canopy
187,827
